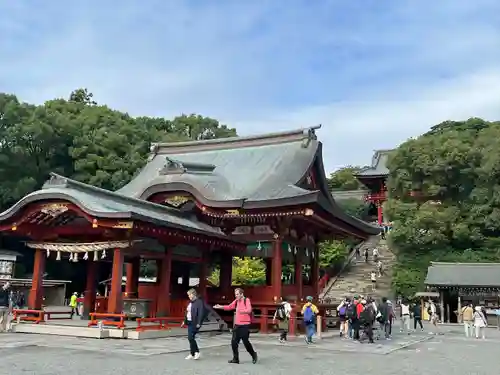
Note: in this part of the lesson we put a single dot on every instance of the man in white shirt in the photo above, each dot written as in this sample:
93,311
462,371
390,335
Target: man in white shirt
375,254
405,317
373,278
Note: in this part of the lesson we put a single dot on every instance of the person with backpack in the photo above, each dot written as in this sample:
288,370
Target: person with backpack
282,316
309,313
366,319
352,316
342,314
241,328
196,312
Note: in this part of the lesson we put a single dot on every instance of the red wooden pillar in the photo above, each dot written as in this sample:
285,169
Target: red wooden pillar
115,300
35,298
380,216
132,285
315,272
269,267
205,262
298,276
226,275
276,269
89,297
163,293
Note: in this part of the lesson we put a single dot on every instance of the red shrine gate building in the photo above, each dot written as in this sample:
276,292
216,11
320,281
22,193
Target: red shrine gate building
194,206
374,178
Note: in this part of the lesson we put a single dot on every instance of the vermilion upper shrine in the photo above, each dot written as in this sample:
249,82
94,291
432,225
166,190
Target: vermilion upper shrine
194,205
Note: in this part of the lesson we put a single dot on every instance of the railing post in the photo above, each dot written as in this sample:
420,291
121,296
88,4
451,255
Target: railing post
318,326
292,323
263,320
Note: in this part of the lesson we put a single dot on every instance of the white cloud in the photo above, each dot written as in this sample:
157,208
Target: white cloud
373,73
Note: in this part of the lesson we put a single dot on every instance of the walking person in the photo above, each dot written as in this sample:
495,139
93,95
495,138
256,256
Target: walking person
405,317
194,318
5,307
282,318
417,317
241,329
383,319
373,278
480,322
366,255
433,317
309,313
467,315
73,303
342,314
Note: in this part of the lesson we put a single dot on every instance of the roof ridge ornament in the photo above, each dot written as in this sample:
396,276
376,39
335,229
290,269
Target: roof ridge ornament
173,166
309,136
55,180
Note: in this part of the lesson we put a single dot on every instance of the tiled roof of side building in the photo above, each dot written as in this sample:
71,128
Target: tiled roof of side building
463,274
102,203
378,166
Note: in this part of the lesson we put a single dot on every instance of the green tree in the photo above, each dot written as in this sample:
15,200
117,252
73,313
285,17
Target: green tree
354,207
344,179
444,199
249,271
332,252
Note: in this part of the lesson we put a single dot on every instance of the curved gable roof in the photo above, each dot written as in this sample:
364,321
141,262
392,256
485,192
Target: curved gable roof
247,169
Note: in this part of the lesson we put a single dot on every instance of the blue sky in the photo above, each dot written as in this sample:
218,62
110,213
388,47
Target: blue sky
374,73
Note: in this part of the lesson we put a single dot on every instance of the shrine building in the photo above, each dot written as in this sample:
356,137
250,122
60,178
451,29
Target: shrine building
193,207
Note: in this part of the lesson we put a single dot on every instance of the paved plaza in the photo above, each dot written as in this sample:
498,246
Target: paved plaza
449,353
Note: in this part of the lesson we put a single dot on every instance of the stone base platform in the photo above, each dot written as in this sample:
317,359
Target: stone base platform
78,328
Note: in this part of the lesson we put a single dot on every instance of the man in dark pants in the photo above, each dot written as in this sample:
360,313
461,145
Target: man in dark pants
195,315
241,328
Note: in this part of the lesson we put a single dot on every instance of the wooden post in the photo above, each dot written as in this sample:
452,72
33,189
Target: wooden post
163,294
292,323
459,310
263,320
89,297
277,269
132,284
35,299
315,272
205,262
318,326
226,275
298,276
269,266
115,300
441,305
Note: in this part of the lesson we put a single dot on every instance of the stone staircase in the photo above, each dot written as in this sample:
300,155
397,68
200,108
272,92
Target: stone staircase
355,279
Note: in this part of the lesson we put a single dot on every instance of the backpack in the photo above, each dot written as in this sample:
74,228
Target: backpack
342,311
308,315
252,318
351,312
366,316
429,310
280,312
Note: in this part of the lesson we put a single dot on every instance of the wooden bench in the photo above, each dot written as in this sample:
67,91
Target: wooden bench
35,316
161,323
118,320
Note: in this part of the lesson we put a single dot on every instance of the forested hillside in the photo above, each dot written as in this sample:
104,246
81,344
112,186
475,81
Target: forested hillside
84,140
444,199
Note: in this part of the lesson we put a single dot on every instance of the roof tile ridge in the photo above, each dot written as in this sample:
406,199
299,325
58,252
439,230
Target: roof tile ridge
289,136
68,183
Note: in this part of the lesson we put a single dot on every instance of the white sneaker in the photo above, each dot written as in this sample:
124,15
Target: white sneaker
197,355
189,357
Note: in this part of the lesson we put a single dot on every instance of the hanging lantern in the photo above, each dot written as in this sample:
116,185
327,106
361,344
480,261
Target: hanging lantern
307,252
259,246
289,248
312,253
95,223
75,257
48,253
86,256
295,250
96,256
58,256
70,257
103,254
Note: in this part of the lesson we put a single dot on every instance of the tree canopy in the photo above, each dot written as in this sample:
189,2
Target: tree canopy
83,140
444,199
344,179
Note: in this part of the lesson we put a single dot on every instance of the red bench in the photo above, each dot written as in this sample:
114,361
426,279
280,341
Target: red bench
118,320
35,316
